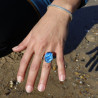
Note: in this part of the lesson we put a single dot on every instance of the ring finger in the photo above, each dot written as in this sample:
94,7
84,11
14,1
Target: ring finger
44,76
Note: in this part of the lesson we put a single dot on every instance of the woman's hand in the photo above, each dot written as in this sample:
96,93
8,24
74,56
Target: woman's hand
48,35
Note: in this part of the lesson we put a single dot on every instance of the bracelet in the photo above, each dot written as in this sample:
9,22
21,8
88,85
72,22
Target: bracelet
62,9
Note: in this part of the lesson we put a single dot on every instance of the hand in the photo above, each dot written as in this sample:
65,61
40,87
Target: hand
48,35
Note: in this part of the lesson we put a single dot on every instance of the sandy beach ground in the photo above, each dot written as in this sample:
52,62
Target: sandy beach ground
81,58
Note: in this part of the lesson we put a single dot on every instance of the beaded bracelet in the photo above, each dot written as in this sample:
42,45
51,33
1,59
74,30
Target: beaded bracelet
61,9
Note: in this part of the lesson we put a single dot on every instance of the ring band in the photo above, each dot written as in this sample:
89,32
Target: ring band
48,57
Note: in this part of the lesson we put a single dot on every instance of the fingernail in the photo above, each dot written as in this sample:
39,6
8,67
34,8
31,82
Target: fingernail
41,87
19,79
15,47
62,77
29,89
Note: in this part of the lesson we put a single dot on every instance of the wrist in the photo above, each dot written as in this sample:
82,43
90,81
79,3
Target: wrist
58,14
70,5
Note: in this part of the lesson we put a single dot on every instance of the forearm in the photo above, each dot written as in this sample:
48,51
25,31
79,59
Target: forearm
70,5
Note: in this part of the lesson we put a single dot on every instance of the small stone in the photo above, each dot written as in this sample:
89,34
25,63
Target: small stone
82,77
84,57
15,88
76,59
74,84
87,31
81,82
11,84
88,85
92,30
54,67
96,32
83,60
76,73
48,94
91,38
17,83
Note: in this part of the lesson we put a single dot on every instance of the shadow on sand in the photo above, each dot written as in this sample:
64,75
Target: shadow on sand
83,20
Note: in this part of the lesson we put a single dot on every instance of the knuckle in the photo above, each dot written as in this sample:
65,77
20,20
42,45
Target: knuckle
43,45
60,46
47,66
60,59
41,48
33,67
23,61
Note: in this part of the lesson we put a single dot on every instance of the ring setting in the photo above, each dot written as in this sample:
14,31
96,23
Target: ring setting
48,57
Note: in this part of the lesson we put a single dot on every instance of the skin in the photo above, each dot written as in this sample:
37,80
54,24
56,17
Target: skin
48,35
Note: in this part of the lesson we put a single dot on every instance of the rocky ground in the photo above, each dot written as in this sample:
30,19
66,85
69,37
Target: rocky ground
81,57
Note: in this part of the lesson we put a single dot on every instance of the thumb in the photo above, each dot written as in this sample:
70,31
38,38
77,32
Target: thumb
22,46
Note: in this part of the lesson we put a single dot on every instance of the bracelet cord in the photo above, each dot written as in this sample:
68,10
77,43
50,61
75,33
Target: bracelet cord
61,9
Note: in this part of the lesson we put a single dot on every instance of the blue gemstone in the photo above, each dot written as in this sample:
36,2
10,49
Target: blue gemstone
48,57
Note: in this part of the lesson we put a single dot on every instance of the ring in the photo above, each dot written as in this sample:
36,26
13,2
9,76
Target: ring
48,57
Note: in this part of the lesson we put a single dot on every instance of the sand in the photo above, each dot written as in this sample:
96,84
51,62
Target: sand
81,57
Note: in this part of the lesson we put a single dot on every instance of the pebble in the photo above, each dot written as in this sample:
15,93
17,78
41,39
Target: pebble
81,82
92,30
17,83
76,59
82,77
77,73
15,88
54,67
88,85
91,38
11,84
74,84
55,71
87,30
48,94
96,32
84,57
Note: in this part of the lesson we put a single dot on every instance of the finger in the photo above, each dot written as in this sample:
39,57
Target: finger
22,45
23,64
44,76
33,73
61,65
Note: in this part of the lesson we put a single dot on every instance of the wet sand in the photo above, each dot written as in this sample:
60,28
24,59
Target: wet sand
81,58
